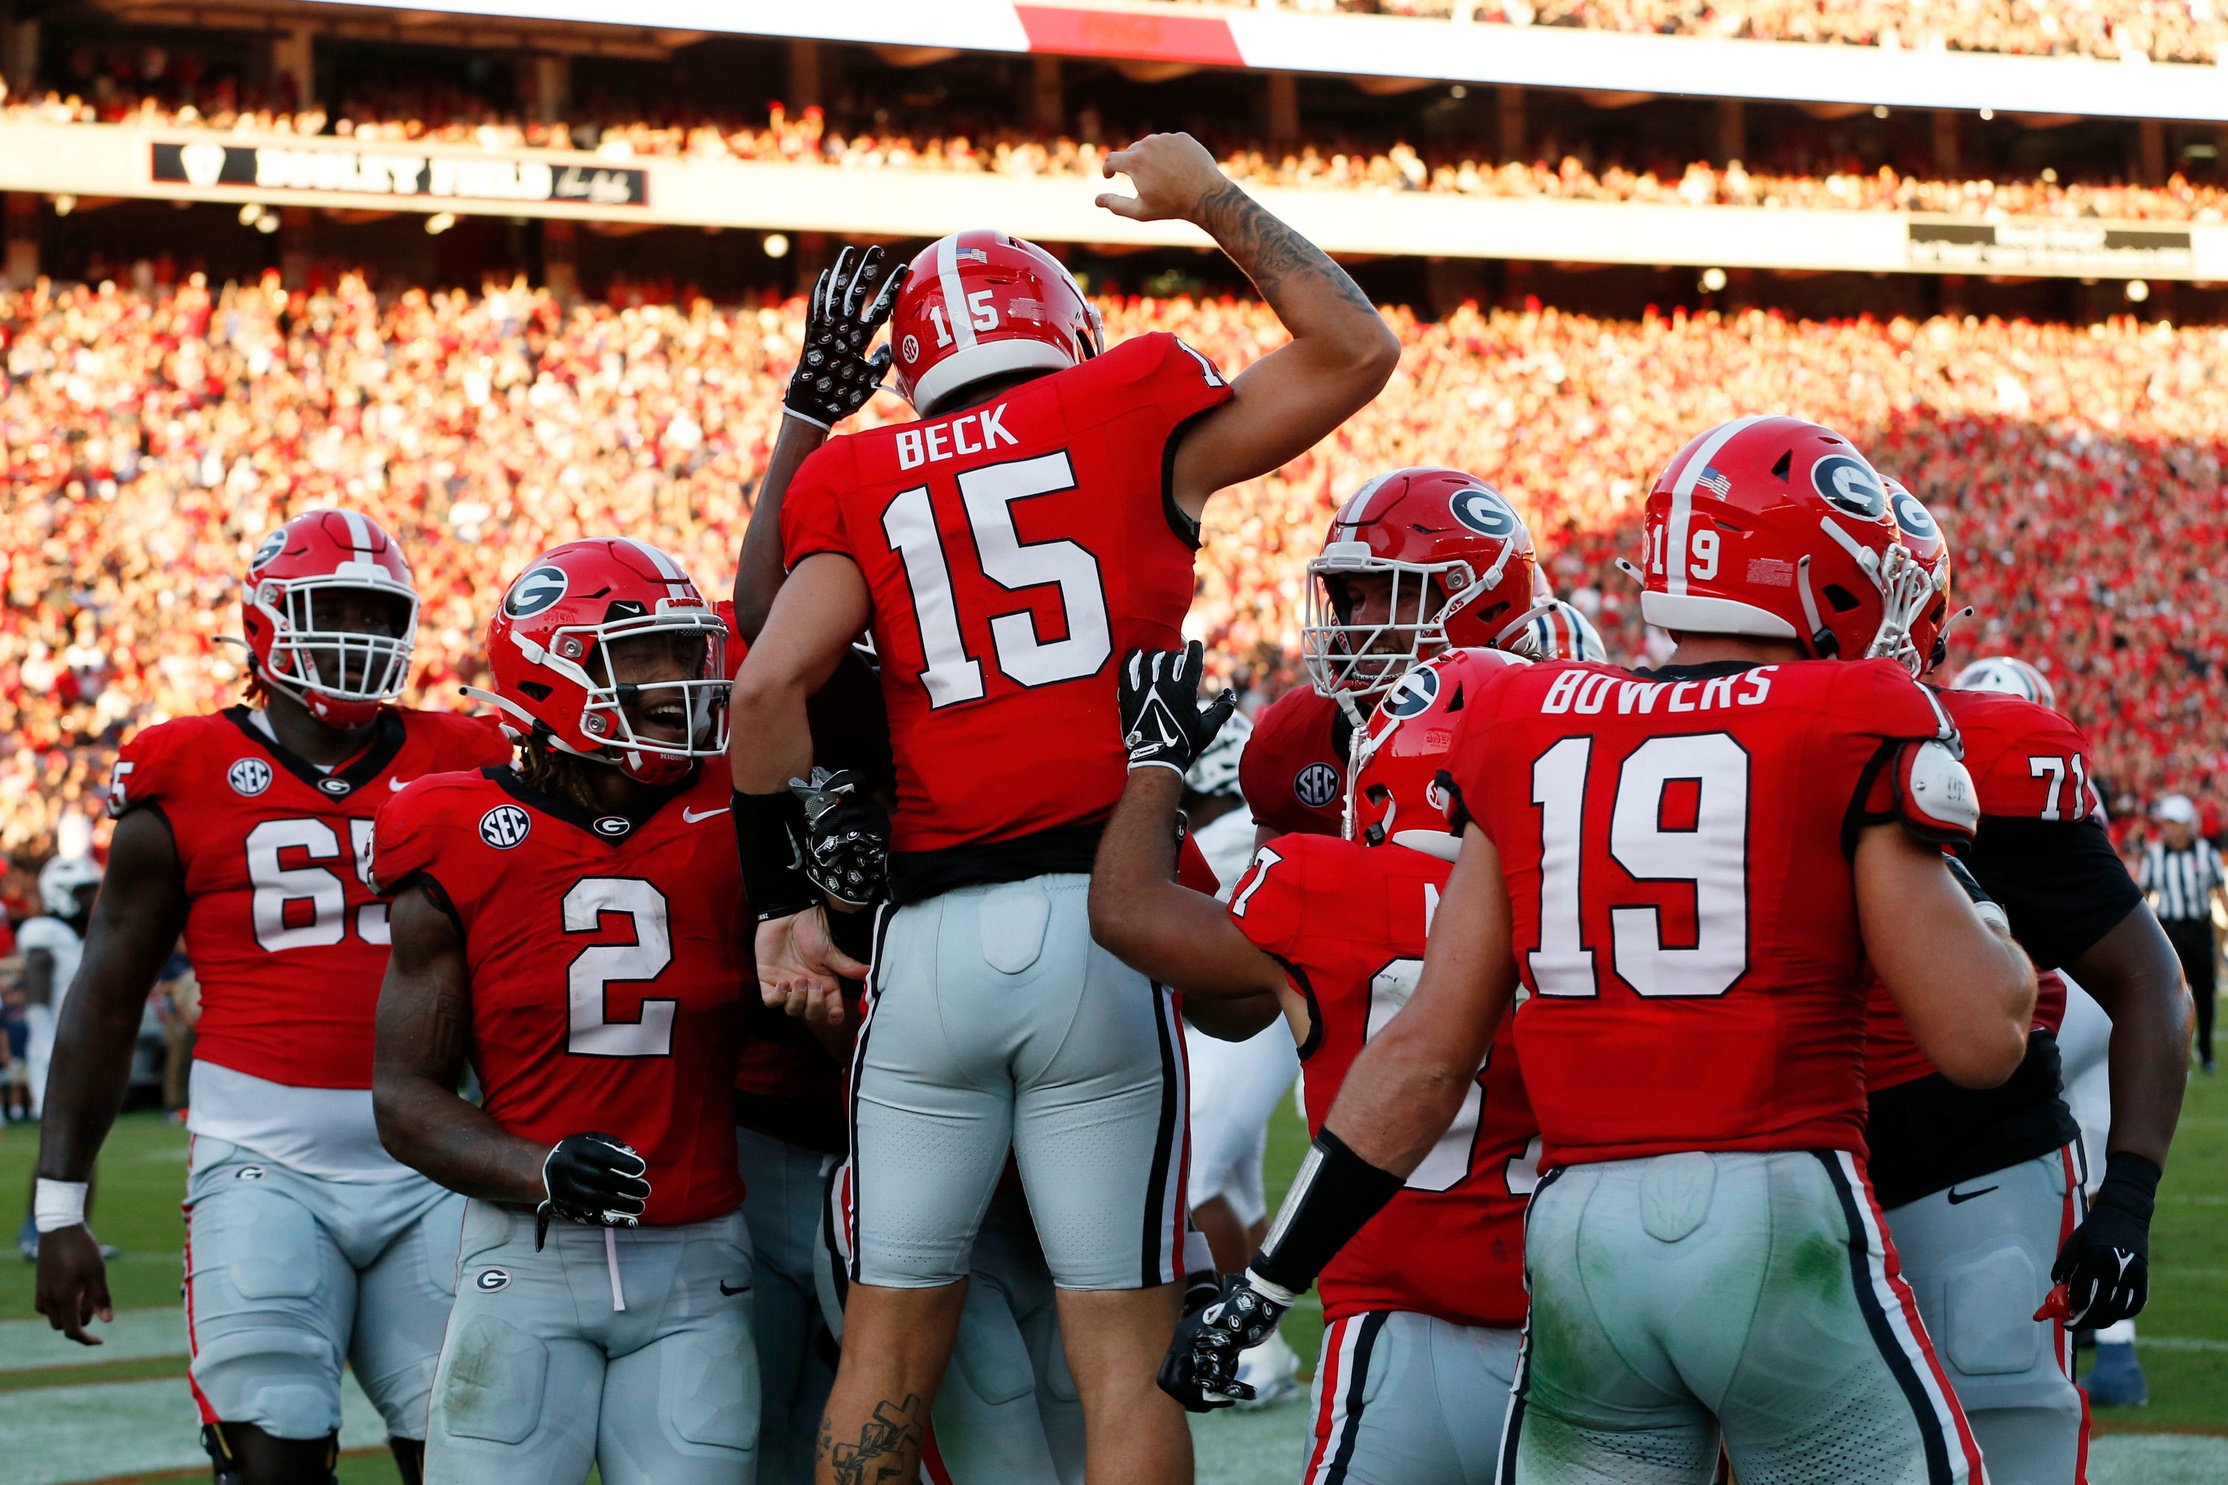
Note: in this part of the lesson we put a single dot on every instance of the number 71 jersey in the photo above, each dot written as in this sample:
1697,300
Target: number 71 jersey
606,956
1015,551
1675,846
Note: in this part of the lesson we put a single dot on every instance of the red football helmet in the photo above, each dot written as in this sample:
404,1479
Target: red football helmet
1392,788
2011,676
550,645
1461,565
299,642
1776,528
981,304
1930,549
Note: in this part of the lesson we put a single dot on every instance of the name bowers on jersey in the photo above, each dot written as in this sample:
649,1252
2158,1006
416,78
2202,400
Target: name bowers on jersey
1587,691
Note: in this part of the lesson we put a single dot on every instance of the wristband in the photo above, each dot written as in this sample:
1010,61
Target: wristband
1333,1197
58,1204
2130,1185
769,837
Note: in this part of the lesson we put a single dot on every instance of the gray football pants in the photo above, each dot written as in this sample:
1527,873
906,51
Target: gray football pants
785,1184
1407,1399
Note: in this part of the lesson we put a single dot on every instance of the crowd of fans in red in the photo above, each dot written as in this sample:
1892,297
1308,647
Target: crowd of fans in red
149,438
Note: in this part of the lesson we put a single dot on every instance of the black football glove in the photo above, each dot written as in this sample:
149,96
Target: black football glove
1201,1367
2105,1266
834,375
593,1179
1163,725
847,840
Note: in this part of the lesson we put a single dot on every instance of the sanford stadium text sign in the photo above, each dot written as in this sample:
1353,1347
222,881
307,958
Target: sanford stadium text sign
2053,246
375,171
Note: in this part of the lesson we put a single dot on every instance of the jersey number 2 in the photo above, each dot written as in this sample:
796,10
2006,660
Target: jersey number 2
989,494
593,1033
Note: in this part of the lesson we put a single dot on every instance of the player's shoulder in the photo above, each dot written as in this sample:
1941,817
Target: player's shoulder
1993,723
1292,755
182,737
442,803
168,762
1156,366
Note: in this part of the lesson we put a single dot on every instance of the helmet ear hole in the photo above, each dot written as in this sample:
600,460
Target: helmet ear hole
1841,598
536,690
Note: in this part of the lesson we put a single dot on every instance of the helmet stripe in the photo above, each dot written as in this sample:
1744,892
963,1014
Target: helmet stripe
955,298
359,530
1682,500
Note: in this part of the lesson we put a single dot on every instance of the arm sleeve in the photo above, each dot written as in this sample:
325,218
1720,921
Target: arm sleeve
2060,882
406,841
811,515
143,774
1269,904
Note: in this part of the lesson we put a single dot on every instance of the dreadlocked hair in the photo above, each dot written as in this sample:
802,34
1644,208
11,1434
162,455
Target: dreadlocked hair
555,772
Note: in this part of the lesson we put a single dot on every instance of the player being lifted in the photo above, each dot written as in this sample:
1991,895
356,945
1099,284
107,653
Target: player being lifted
1689,869
572,926
307,1245
1038,521
1982,1188
1421,1309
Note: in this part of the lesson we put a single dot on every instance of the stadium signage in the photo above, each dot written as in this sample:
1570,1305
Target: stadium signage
2052,247
372,171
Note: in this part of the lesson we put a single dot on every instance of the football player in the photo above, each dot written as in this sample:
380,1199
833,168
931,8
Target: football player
571,926
1422,1307
1983,1188
51,945
307,1245
1688,869
1038,519
1417,561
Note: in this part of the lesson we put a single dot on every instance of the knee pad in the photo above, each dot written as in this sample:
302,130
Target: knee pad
491,1388
286,1383
710,1399
1988,1302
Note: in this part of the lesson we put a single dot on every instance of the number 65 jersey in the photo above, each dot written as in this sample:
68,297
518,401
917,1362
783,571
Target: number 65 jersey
1676,847
287,939
606,956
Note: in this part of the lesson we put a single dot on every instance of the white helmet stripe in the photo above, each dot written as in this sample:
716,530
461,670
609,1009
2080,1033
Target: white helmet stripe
676,580
1682,501
359,530
955,298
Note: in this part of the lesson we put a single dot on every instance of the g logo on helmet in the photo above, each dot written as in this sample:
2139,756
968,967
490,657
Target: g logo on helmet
1415,693
537,590
1850,485
1916,520
1485,512
271,546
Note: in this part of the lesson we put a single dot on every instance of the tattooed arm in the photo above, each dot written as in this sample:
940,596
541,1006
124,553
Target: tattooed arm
424,1030
1341,352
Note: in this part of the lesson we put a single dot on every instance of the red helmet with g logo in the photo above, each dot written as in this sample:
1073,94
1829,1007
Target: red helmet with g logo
1393,790
1461,566
981,304
550,645
1930,549
298,580
1776,528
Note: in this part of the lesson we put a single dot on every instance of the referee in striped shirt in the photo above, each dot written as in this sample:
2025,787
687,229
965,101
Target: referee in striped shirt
2182,876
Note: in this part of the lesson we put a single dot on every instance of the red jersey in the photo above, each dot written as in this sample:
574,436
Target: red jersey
1683,913
1349,922
288,940
1015,552
607,956
2027,763
1293,769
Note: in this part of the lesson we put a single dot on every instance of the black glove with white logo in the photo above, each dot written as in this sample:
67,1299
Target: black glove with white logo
1163,725
847,837
1201,1367
2105,1265
834,375
594,1179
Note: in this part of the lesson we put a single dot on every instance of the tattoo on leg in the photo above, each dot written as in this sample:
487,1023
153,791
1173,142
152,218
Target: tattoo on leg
1260,242
889,1447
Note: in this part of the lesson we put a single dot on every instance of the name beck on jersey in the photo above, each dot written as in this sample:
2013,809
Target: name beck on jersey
1587,692
926,445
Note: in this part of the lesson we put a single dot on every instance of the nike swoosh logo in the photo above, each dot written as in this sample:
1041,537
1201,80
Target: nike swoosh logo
398,785
745,1289
691,816
1957,1196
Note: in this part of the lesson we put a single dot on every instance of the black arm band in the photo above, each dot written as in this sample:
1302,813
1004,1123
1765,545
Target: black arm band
1333,1197
2130,1184
769,835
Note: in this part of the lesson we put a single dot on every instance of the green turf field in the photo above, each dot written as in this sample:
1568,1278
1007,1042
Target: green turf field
2183,1335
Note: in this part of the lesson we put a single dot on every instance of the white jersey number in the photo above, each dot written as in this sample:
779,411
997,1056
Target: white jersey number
312,896
1448,1164
594,969
989,495
1712,855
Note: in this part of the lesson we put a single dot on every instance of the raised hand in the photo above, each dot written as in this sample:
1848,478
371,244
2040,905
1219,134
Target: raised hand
834,375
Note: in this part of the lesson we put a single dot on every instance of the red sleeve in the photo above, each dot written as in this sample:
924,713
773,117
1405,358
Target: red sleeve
408,838
468,741
1192,869
1289,773
1879,699
148,769
811,511
1270,901
2027,761
1185,382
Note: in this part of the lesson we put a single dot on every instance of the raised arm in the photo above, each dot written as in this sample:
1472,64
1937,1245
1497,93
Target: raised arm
135,925
1341,352
1965,989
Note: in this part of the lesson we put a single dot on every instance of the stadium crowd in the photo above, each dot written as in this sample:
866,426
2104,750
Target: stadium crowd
148,438
1804,171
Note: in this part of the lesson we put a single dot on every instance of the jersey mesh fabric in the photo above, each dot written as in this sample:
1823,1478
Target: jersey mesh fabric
288,940
606,957
1015,551
1349,924
1683,913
